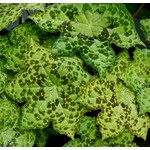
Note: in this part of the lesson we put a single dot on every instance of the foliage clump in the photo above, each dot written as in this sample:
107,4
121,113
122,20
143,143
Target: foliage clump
67,60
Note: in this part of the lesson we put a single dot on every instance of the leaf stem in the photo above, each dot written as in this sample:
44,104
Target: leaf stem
138,10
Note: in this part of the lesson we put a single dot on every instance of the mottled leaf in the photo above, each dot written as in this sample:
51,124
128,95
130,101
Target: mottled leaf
98,92
20,38
123,140
3,79
10,12
23,32
4,43
90,136
82,24
97,54
121,114
9,115
14,137
90,20
88,129
116,102
145,28
137,74
143,99
50,87
88,132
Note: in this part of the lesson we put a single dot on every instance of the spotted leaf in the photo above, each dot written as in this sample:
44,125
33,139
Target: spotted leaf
145,28
3,79
137,74
116,102
88,132
9,115
90,20
90,136
143,99
50,87
98,92
14,137
10,12
121,114
123,140
86,29
20,39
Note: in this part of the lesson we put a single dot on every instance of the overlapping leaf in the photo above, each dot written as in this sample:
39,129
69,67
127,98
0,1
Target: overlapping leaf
14,137
88,132
82,24
116,102
123,140
90,20
10,133
10,12
50,87
20,39
120,113
137,77
98,92
90,136
23,32
137,74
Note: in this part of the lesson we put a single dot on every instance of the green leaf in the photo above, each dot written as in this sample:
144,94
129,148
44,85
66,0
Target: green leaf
10,12
90,20
13,56
3,79
88,132
97,92
50,87
9,115
145,28
136,76
4,43
97,54
10,134
88,129
121,112
90,136
116,102
42,135
86,29
1,141
143,99
23,32
20,38
123,140
14,137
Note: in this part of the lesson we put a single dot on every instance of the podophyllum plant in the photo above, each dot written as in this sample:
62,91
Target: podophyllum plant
60,64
